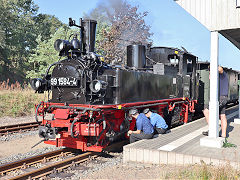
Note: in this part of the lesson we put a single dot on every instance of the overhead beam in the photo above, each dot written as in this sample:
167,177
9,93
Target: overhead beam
232,40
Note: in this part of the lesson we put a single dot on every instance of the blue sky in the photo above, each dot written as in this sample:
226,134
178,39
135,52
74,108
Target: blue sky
172,26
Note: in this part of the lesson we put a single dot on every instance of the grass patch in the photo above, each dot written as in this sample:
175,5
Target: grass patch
17,100
203,172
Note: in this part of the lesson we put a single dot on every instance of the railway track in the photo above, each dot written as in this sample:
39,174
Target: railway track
43,165
18,128
26,170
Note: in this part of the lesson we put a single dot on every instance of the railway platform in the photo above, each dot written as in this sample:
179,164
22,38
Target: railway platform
181,146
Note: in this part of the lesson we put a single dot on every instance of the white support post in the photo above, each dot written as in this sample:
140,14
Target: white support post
213,103
213,140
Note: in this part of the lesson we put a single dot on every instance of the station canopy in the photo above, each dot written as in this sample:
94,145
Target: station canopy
216,15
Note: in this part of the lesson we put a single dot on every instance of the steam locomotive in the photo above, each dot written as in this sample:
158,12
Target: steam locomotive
89,99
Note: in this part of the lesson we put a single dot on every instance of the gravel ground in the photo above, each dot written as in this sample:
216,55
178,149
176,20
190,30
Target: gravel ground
18,145
18,120
112,167
20,156
15,136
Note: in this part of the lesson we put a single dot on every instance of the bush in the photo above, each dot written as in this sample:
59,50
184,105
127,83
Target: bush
17,100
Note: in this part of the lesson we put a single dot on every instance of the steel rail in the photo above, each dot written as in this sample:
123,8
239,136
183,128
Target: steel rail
31,160
58,166
18,127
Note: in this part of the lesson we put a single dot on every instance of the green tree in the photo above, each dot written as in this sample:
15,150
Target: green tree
19,28
16,34
2,47
17,24
45,54
46,25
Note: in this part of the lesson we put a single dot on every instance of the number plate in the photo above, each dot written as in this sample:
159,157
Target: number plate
63,81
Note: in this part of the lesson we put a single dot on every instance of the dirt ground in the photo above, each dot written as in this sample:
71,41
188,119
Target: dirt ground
19,145
18,120
22,145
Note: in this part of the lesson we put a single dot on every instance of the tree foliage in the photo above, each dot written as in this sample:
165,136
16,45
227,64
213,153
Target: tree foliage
46,25
19,29
45,54
16,26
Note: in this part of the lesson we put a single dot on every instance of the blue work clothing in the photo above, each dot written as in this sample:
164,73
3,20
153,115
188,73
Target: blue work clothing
137,137
223,84
157,121
143,124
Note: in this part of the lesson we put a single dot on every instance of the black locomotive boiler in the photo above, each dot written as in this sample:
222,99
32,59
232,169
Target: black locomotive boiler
90,99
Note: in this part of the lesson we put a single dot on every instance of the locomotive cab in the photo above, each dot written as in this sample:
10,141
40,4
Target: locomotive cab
180,64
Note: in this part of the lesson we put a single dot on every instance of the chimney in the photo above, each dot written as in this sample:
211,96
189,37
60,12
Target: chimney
88,35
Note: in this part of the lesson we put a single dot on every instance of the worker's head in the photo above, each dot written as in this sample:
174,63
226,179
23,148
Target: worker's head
220,69
133,113
147,112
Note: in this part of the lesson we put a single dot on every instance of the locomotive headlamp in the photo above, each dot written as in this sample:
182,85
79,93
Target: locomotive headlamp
62,45
38,84
97,85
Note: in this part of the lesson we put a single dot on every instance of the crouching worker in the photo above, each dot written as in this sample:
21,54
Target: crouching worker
144,127
157,121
